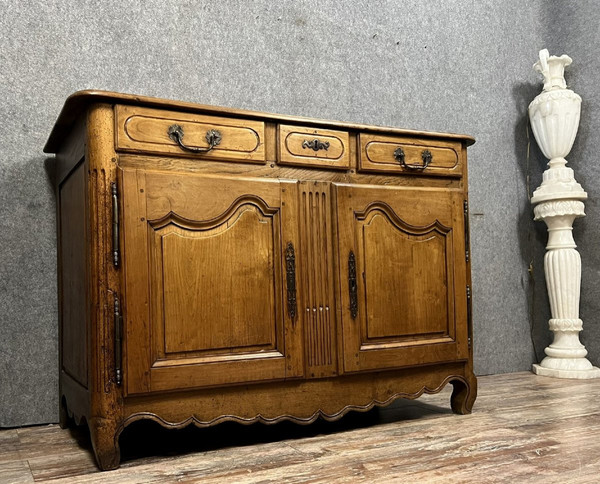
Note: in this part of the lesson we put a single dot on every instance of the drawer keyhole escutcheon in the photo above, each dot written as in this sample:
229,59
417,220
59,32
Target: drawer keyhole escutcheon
213,138
316,145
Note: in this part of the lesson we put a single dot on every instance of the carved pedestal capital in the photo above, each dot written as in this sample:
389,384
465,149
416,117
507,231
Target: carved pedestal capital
559,208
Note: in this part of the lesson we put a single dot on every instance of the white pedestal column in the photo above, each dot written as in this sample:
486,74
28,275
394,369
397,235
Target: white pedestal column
554,116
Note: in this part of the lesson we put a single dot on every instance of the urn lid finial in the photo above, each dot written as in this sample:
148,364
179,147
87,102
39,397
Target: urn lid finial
553,69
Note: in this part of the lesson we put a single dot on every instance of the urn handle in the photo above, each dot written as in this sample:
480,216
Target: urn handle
213,138
400,157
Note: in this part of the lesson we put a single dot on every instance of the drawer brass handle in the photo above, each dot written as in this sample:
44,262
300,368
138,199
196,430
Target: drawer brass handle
316,145
352,286
426,156
213,137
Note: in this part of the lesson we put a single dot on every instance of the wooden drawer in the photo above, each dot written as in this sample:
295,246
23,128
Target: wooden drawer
146,130
385,153
300,145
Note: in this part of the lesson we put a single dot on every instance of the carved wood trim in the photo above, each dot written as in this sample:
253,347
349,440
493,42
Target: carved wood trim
315,144
400,224
162,356
204,123
403,143
145,130
292,418
316,262
185,223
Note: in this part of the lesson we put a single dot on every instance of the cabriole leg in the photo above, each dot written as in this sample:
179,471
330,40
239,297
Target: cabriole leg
463,395
105,441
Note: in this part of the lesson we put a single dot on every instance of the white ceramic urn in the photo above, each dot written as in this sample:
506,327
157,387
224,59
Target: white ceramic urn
554,116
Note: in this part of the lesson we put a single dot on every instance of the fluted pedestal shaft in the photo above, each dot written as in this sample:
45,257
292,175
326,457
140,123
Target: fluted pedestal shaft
566,356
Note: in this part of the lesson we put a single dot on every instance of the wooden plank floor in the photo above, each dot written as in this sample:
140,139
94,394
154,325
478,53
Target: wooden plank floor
524,428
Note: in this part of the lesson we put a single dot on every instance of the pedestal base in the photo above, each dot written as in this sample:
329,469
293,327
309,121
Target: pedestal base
593,372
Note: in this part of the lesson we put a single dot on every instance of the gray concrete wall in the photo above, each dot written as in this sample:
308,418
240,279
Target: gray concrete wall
460,66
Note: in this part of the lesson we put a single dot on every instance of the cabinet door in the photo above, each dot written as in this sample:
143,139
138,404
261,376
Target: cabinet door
403,276
204,284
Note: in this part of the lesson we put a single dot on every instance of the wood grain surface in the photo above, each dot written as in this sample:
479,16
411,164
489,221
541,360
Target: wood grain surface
146,130
419,316
524,428
333,150
73,255
213,248
377,153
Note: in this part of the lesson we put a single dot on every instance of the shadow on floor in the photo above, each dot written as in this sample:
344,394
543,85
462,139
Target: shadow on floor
146,439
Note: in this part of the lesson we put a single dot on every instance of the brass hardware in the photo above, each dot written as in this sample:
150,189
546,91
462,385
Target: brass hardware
115,224
290,269
426,156
400,157
467,231
118,333
213,138
469,315
316,145
352,286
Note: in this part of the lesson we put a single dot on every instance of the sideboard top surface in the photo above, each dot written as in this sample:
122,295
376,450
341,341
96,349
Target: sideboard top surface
78,102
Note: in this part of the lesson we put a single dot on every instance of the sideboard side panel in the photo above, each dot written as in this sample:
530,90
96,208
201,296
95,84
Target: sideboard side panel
73,257
72,271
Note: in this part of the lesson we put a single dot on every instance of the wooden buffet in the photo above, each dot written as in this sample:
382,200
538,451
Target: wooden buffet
218,264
